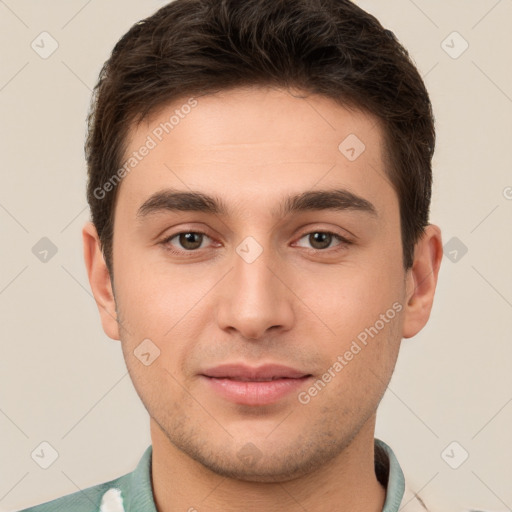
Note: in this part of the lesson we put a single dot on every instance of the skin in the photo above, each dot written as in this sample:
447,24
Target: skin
293,305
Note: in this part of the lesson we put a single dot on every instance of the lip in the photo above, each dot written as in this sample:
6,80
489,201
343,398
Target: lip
245,372
247,385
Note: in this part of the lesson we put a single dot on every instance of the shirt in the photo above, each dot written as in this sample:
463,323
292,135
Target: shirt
133,492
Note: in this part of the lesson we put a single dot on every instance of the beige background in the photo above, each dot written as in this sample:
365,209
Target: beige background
64,382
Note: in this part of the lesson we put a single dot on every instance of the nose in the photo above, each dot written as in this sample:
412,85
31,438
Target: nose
255,299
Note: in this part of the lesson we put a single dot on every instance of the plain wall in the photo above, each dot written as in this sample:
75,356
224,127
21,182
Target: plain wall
64,382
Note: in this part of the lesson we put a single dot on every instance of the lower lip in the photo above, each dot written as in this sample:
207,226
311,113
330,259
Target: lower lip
255,393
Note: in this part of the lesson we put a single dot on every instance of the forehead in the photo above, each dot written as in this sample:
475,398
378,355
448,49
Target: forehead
256,142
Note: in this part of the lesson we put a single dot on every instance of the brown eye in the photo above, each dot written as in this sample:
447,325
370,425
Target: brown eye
191,240
323,240
185,242
320,239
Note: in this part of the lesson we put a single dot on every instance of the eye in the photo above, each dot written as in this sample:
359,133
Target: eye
189,241
321,240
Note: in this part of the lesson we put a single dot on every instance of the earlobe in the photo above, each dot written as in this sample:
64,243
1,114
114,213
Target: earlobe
99,279
421,281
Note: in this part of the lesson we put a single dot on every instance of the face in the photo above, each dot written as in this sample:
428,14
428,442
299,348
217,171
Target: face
291,256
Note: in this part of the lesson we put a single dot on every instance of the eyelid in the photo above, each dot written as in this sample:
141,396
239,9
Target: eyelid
342,234
343,241
166,242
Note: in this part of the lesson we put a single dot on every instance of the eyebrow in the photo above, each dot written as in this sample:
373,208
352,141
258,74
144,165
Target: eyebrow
171,200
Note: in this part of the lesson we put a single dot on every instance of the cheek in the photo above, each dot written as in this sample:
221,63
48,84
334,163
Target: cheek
346,300
361,365
362,309
161,304
152,298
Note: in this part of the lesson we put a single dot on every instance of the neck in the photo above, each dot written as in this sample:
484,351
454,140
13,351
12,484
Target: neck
347,482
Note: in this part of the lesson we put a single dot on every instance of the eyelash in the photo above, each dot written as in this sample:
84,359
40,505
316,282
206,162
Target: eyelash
344,242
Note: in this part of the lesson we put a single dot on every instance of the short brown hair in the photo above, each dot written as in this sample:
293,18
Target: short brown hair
327,47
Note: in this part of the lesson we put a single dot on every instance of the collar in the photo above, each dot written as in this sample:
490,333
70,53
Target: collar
389,473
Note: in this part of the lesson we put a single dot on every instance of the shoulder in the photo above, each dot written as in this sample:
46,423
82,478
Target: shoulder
132,491
93,499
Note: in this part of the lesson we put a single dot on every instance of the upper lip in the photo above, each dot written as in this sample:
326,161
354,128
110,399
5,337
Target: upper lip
242,371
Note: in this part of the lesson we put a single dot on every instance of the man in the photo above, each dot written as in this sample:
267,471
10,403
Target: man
259,183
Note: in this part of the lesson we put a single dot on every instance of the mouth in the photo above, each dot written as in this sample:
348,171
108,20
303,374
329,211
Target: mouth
247,385
246,379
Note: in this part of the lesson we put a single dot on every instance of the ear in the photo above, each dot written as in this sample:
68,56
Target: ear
421,281
99,279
